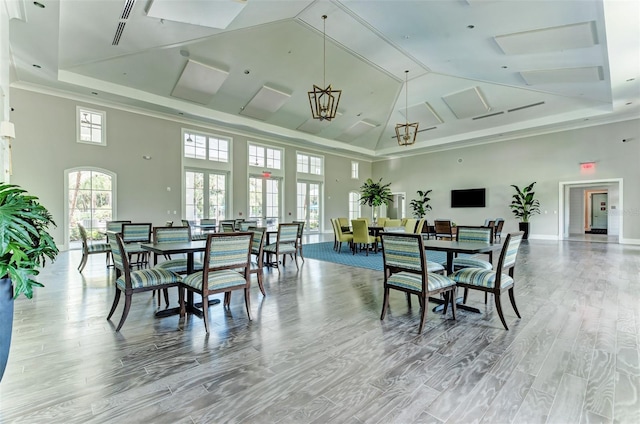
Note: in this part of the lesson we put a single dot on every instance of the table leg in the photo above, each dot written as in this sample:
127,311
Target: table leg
459,300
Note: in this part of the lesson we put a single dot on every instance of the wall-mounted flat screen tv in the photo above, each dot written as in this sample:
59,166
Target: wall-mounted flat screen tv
470,198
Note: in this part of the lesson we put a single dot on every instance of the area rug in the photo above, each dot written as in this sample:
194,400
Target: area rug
324,252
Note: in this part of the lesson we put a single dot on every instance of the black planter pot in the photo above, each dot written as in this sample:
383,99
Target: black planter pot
6,321
524,226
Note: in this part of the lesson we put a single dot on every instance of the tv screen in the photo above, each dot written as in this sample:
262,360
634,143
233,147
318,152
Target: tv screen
471,198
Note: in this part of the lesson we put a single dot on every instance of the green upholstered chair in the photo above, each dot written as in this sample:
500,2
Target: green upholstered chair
405,269
226,268
410,225
420,226
130,282
393,223
133,234
381,221
367,220
285,244
361,236
490,281
473,235
341,236
345,225
91,248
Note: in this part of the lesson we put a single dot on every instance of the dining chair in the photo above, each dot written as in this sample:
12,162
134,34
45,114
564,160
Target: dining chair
256,266
499,223
91,248
226,268
285,244
443,229
247,225
130,282
381,221
342,237
344,225
420,226
227,227
405,269
473,235
494,281
428,230
133,234
301,225
367,220
208,225
393,223
410,225
361,236
236,223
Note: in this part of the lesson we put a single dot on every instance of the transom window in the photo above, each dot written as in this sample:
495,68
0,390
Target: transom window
308,164
203,146
354,170
265,157
91,126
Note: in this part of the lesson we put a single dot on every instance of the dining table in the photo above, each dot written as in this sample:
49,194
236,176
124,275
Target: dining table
452,247
190,249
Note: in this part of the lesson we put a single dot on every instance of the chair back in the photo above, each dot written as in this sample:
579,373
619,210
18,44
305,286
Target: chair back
245,225
257,244
510,251
403,252
343,222
443,228
360,231
301,225
236,223
338,227
120,259
499,224
382,221
420,226
185,223
287,233
227,227
136,233
116,226
227,251
410,225
366,219
393,223
83,236
474,234
171,235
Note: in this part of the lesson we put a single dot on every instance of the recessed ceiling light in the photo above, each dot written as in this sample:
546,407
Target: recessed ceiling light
180,113
406,37
37,66
184,53
38,4
630,79
94,93
146,157
247,71
471,26
504,67
628,103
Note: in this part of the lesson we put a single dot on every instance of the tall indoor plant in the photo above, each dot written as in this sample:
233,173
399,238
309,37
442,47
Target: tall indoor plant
523,205
375,194
24,246
421,205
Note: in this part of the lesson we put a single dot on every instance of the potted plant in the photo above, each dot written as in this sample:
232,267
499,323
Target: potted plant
24,246
523,205
375,194
421,205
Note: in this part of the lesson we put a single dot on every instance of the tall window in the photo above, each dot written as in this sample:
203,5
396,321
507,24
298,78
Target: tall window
91,126
308,204
202,146
354,170
354,205
205,195
307,164
265,157
90,194
264,201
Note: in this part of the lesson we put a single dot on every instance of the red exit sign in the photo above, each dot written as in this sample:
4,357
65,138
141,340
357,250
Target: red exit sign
587,166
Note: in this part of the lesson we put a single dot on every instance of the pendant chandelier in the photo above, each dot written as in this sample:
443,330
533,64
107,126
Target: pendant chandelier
406,133
324,101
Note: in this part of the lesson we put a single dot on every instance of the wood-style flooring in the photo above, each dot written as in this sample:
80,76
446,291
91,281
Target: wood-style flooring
317,352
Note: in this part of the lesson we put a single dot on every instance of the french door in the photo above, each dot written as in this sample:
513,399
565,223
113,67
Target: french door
308,204
264,201
90,203
205,195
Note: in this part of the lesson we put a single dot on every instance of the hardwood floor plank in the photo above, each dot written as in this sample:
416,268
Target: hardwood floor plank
601,384
626,406
627,353
509,399
535,408
567,406
554,366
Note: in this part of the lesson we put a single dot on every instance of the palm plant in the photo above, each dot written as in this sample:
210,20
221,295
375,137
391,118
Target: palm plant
524,203
375,194
421,205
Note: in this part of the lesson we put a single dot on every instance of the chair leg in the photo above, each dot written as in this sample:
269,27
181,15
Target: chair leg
499,309
227,298
453,294
423,314
183,309
205,312
486,297
385,303
408,295
166,297
83,262
247,301
116,299
446,302
260,285
125,311
466,294
513,301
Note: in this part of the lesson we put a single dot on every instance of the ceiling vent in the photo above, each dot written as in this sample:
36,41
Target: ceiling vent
525,107
487,116
126,11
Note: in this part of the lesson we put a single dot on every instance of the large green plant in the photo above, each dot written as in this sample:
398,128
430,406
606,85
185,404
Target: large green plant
524,203
375,194
24,241
421,205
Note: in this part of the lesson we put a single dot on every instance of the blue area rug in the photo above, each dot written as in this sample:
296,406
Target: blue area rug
324,252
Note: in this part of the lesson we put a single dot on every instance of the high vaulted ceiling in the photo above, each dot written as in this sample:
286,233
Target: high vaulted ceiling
479,70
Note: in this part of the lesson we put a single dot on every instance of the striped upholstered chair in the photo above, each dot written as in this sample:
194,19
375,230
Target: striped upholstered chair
130,282
490,281
285,244
133,234
257,265
473,235
91,248
405,269
226,268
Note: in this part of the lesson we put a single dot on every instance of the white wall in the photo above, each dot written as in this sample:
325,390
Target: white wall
547,159
46,147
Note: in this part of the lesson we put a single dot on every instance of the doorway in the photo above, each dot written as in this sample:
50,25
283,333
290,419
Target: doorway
396,208
597,219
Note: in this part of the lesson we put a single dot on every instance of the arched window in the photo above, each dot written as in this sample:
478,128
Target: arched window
354,205
90,201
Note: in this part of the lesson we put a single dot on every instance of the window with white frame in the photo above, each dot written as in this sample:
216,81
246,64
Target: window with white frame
308,164
204,146
354,205
265,157
91,126
354,170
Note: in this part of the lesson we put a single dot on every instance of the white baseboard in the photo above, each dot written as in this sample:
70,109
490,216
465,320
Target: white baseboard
630,241
542,237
